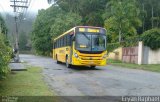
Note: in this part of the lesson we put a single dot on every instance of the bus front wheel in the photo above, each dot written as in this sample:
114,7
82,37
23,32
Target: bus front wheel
93,67
67,62
58,62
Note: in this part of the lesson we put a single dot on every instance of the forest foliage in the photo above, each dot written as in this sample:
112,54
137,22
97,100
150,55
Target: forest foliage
123,19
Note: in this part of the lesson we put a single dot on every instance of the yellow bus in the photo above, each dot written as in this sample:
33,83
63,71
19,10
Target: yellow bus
81,46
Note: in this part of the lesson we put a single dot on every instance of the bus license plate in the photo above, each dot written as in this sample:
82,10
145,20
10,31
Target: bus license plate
91,62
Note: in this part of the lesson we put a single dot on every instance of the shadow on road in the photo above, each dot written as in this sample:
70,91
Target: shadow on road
80,68
83,68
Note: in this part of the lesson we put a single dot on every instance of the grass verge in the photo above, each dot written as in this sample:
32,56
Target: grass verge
25,83
152,67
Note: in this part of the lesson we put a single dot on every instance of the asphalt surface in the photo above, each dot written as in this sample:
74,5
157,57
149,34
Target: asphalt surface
102,81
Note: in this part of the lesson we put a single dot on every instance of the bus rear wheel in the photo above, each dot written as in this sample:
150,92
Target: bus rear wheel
67,63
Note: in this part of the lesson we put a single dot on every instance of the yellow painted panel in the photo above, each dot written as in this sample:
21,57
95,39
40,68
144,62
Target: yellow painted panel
61,53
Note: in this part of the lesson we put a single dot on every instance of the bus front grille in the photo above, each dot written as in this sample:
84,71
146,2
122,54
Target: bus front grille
87,57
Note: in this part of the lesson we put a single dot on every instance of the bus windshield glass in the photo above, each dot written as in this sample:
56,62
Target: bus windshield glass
90,42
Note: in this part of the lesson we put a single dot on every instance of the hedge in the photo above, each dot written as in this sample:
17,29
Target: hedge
112,46
131,41
5,54
151,38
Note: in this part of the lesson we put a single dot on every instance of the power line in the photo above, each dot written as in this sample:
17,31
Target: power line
30,6
23,14
25,11
18,7
20,1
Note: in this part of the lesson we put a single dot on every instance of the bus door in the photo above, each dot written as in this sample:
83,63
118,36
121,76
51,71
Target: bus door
72,39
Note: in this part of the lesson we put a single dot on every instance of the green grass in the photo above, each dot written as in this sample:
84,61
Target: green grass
152,67
25,83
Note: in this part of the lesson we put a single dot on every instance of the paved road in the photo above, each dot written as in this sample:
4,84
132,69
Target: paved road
108,80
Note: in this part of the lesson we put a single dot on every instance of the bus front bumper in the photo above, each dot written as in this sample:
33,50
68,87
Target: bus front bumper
81,62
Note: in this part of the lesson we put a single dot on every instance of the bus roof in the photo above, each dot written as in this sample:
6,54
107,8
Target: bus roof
87,27
64,33
74,29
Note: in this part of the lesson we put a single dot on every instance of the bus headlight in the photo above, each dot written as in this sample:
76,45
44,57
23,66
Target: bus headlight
105,56
76,55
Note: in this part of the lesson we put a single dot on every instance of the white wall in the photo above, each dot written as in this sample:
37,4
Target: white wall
116,54
151,56
154,57
140,52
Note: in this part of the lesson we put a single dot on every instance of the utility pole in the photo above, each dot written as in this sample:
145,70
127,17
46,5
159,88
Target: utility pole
17,5
50,1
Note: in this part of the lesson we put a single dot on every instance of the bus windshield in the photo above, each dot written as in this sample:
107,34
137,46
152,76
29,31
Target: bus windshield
90,42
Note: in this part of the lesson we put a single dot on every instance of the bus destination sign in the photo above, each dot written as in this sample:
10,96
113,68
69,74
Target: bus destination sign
90,30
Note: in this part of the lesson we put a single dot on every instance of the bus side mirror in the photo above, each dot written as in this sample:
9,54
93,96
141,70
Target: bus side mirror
73,38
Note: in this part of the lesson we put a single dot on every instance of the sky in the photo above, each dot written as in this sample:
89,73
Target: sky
34,6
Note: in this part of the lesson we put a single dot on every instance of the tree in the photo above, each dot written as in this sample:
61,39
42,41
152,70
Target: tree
50,23
151,38
90,10
23,41
41,37
3,28
64,22
150,14
73,6
122,18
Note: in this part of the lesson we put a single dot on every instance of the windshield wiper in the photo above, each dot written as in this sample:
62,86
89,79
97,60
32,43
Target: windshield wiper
86,36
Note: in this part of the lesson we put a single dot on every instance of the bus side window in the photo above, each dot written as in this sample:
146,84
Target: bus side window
71,39
54,45
58,43
61,42
65,40
68,39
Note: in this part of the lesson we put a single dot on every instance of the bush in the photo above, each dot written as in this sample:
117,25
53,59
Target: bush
131,41
112,46
151,38
5,54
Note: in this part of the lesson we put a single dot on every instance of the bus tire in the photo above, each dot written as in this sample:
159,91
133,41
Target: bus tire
58,62
67,63
92,67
